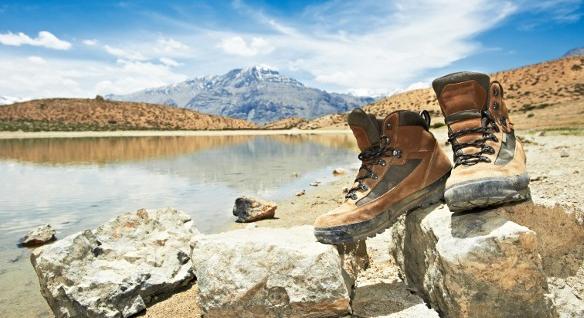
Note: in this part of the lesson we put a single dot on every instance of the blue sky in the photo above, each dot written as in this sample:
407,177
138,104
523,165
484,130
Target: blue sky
83,48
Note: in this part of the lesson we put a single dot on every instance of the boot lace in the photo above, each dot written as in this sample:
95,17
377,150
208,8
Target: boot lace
370,157
488,128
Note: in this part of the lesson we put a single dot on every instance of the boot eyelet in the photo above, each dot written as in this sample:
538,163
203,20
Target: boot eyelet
397,153
374,176
496,106
381,162
388,125
354,196
364,187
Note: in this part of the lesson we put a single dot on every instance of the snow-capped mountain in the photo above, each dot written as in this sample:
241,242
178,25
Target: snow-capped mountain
256,93
575,52
7,100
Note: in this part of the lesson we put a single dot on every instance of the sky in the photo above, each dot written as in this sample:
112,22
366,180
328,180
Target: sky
82,48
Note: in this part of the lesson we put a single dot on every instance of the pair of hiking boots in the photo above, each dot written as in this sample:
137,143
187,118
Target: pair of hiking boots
403,167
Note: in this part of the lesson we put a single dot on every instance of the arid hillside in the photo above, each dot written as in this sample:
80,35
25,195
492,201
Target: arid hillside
545,95
98,114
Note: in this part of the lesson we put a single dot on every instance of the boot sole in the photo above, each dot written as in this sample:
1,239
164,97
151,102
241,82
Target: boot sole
487,192
349,233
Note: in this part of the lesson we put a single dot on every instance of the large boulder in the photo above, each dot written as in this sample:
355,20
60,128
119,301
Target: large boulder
262,272
472,265
118,268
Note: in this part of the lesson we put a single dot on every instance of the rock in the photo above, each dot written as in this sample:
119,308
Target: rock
249,209
267,272
300,193
354,259
339,172
39,236
314,183
380,293
541,133
564,154
118,268
472,265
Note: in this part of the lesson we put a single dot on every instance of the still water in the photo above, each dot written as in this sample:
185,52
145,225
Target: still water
79,183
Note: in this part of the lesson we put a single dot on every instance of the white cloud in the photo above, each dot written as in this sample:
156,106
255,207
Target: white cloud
367,47
124,54
236,45
168,61
44,39
90,42
400,41
37,60
80,78
169,45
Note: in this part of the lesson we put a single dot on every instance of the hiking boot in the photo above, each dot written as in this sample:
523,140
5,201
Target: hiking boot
489,161
403,168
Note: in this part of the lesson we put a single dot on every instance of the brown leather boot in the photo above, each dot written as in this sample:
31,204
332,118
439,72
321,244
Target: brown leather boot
489,162
403,168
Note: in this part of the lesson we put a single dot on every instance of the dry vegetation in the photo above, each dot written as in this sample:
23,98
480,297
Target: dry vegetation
545,95
62,114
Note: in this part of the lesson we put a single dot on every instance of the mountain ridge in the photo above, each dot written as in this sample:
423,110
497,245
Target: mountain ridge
546,94
76,114
256,93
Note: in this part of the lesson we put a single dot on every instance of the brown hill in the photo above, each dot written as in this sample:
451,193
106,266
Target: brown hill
62,114
549,94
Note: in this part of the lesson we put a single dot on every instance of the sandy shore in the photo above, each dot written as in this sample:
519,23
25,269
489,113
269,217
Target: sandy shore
158,133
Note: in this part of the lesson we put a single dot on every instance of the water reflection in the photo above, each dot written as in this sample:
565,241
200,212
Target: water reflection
75,184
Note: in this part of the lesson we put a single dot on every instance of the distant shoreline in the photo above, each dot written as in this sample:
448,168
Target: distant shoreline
163,133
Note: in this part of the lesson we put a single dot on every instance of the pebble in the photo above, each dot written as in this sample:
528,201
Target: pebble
339,171
301,193
564,154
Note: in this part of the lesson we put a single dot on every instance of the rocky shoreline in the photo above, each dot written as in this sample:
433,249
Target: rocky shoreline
521,260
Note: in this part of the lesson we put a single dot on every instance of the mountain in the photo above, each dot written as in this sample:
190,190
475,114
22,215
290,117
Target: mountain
575,52
258,94
544,95
6,100
71,114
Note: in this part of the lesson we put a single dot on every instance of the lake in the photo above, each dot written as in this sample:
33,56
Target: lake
79,183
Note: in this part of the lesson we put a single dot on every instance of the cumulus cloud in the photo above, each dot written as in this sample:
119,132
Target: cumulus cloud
44,39
168,61
236,45
90,42
169,45
124,54
37,60
80,78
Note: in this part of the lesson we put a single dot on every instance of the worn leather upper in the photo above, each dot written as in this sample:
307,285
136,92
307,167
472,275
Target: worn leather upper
462,99
420,158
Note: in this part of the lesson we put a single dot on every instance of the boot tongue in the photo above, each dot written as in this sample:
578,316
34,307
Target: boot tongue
462,91
365,127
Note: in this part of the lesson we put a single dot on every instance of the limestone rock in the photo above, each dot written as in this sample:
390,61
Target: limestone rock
39,236
339,172
249,209
118,268
266,272
472,265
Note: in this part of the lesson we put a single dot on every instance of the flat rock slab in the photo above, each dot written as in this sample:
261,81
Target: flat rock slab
472,265
118,268
263,272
